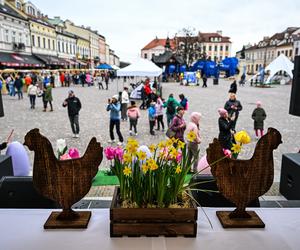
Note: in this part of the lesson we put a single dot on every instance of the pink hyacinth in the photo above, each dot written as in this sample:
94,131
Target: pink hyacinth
119,153
65,157
74,153
179,157
109,153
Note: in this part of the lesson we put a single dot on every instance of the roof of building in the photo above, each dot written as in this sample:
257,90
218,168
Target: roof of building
165,57
159,42
66,33
6,9
206,37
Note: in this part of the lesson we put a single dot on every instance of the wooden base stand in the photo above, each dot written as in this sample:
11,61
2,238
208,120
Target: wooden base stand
253,222
81,222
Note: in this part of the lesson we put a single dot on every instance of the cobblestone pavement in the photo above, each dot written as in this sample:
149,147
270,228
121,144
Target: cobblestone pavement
94,119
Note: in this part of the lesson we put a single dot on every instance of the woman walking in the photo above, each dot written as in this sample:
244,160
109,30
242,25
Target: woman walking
48,97
159,113
225,128
259,115
133,114
32,93
193,146
178,124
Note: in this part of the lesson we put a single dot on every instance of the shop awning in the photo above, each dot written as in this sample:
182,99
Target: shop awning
19,60
70,62
50,60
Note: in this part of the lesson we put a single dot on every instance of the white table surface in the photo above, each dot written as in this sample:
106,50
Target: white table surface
23,229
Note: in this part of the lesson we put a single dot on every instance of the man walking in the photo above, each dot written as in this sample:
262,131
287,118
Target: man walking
114,107
124,104
74,105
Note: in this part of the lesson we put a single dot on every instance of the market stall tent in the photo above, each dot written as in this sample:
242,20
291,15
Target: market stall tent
281,63
141,67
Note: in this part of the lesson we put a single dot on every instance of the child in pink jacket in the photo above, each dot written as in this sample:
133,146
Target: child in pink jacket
193,152
133,114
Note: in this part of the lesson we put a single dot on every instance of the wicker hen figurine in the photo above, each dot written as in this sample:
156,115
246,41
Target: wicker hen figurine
242,181
65,182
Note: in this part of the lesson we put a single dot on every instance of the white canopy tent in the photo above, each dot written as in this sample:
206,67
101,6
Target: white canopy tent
141,67
281,63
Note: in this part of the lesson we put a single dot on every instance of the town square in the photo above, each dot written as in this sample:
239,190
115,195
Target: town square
114,132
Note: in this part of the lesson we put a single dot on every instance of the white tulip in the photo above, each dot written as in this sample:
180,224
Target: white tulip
61,145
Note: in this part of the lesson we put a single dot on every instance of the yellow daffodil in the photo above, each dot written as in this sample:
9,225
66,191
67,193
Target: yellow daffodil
152,148
127,158
191,136
141,155
178,170
236,148
174,140
145,168
169,143
127,171
180,144
161,145
173,153
242,137
132,146
152,164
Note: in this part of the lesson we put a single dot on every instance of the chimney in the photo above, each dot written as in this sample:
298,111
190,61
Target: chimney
219,32
266,37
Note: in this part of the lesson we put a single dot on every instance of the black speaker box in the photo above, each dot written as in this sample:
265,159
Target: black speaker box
295,94
18,192
212,199
6,168
290,176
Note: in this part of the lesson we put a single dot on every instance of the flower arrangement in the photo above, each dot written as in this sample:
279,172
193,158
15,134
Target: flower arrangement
151,176
63,153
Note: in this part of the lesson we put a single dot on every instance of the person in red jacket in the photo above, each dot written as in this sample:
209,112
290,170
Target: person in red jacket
62,79
148,92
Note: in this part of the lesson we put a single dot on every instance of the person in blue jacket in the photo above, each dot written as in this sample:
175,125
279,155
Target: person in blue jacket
114,107
151,115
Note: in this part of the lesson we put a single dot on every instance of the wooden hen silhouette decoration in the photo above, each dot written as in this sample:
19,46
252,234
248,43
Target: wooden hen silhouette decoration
242,181
65,182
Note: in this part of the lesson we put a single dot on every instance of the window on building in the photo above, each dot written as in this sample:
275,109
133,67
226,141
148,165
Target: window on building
71,49
204,48
256,67
291,52
67,48
286,52
145,55
58,46
296,51
20,38
53,44
33,40
278,53
44,42
49,44
18,5
221,48
13,37
216,48
7,36
74,49
226,48
39,42
63,47
209,48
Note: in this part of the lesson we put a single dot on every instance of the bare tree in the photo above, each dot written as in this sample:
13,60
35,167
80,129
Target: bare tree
188,45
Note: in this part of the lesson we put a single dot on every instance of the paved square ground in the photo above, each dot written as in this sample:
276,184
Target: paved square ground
94,119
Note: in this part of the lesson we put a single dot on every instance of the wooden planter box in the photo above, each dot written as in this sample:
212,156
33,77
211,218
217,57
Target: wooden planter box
136,222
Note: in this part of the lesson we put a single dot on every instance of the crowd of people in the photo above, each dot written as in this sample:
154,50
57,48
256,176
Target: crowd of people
121,108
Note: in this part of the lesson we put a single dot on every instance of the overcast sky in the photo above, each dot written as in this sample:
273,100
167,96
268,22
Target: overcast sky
129,25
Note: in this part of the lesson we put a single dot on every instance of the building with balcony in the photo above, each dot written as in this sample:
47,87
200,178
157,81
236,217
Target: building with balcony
265,51
15,42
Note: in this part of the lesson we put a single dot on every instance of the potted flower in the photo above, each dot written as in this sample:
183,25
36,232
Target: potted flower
152,198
